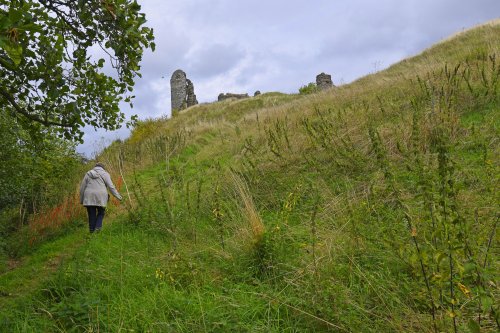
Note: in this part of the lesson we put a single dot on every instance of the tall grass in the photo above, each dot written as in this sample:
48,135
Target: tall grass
367,208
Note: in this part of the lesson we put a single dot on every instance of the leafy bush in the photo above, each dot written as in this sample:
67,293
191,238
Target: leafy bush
310,88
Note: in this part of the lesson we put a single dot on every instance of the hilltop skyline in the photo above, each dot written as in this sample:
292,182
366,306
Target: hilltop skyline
280,46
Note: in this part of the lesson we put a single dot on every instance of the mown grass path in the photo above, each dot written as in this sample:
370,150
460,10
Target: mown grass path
28,274
32,271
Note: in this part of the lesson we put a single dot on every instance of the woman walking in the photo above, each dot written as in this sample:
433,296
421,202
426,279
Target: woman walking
94,195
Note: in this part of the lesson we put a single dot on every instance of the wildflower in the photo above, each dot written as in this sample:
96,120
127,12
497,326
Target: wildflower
464,290
159,274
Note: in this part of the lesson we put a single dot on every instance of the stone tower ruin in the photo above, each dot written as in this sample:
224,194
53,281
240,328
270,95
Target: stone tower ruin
181,91
324,81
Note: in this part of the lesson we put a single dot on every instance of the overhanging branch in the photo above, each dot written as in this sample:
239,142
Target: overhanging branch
10,99
60,14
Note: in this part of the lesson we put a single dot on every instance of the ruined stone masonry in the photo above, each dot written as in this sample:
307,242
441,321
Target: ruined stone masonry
191,97
324,81
181,91
223,97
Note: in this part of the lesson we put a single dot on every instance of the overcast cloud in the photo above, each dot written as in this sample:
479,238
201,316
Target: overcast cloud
280,45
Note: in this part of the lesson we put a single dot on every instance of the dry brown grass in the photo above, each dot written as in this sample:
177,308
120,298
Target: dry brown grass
255,225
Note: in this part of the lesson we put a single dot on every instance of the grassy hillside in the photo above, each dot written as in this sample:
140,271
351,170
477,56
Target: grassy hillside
371,207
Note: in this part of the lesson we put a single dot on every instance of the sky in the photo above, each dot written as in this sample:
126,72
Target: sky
280,45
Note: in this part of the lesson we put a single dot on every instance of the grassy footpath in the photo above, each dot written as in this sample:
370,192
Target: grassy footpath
31,272
125,277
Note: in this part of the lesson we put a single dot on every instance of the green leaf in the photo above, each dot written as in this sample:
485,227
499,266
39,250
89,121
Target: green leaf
4,22
473,326
470,266
31,27
486,302
15,15
440,257
14,51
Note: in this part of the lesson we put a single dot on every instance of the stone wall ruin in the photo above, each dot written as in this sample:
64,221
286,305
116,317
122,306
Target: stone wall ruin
190,97
223,97
181,91
324,81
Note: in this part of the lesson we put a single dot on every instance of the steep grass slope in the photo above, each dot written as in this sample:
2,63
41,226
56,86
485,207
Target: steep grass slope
371,207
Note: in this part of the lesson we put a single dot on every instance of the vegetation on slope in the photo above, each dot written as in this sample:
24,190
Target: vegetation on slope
371,207
37,178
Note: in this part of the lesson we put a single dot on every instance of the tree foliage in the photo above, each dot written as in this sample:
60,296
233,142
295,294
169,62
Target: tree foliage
37,169
66,64
310,88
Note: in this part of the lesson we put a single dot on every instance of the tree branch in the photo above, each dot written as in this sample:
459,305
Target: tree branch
28,115
50,6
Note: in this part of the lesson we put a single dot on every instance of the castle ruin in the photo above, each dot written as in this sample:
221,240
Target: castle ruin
324,81
223,97
181,91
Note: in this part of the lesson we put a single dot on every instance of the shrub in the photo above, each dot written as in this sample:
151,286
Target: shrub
310,88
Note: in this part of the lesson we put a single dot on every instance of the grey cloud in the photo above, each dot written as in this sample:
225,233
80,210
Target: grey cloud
164,60
448,17
145,101
213,60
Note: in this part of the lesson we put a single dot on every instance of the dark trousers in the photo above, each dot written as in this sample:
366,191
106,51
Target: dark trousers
96,215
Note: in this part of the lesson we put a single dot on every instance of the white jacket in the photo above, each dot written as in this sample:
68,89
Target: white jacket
93,190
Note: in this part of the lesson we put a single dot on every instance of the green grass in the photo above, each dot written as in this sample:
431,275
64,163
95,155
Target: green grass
370,207
31,272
